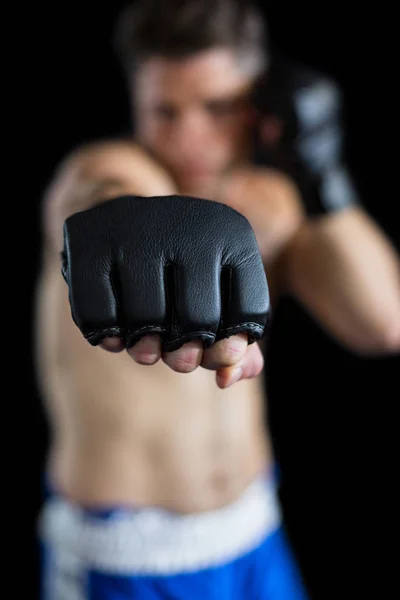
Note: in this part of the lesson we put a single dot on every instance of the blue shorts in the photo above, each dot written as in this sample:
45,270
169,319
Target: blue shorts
238,552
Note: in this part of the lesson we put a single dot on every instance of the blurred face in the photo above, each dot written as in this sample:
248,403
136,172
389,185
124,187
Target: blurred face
192,114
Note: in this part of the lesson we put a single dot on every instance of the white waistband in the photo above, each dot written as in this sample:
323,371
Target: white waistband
156,541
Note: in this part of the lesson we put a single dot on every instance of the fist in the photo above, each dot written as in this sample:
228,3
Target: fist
166,274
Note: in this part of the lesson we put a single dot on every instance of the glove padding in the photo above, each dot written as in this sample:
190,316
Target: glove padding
309,106
181,267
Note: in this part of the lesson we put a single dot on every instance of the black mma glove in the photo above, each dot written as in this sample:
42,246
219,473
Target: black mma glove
182,267
308,108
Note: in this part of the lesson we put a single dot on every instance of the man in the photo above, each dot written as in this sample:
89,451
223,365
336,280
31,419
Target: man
160,470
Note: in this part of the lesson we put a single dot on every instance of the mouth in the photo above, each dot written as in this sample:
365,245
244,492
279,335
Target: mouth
196,171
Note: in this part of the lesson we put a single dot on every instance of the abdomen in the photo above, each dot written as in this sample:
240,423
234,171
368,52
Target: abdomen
127,433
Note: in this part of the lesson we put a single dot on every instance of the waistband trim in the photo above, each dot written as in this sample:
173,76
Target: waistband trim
157,541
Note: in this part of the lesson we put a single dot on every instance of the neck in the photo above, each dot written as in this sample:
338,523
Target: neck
211,190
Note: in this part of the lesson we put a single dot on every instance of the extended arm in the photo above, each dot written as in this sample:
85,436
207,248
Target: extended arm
347,274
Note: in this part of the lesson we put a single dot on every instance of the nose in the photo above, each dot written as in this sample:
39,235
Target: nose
191,133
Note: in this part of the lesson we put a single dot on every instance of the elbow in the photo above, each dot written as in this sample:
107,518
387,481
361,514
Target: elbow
391,338
384,342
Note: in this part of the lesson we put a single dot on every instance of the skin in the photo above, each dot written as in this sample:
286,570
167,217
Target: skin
193,115
185,430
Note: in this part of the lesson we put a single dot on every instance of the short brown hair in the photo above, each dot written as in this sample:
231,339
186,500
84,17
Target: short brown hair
179,28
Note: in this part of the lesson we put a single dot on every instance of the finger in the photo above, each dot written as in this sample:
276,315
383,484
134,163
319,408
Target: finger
248,367
186,359
194,299
112,344
225,353
91,294
245,294
147,351
142,299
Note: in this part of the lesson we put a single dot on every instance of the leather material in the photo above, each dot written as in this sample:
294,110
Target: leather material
311,150
182,267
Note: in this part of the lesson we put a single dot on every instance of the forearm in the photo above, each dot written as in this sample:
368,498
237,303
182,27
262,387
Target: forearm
94,174
347,273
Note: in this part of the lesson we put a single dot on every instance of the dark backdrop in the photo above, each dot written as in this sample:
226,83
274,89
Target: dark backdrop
331,412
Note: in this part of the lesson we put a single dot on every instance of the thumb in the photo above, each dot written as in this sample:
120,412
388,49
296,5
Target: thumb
249,366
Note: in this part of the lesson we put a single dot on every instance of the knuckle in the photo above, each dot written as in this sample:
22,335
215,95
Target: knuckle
186,361
146,351
112,344
146,358
230,351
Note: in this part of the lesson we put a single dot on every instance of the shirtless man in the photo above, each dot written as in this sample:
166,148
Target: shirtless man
160,469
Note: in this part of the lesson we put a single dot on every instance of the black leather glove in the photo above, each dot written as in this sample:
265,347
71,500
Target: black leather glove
309,108
182,267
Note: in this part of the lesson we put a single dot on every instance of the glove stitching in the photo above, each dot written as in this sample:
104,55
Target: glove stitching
117,330
108,330
152,327
192,334
158,328
242,325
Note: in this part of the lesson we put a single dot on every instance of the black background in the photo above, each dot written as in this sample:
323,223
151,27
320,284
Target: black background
332,414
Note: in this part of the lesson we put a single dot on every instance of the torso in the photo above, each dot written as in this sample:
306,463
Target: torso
123,433
127,433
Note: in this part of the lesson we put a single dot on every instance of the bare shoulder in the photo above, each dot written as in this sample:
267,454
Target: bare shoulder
267,190
278,192
95,172
117,160
271,202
